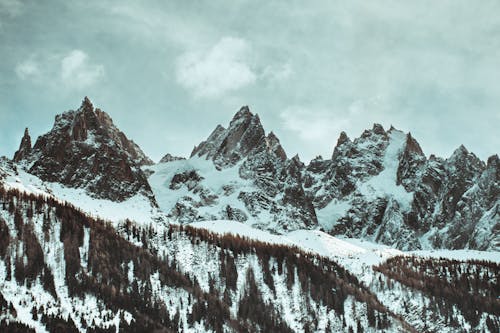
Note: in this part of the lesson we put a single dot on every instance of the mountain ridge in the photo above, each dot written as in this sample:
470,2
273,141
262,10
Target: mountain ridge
241,238
379,186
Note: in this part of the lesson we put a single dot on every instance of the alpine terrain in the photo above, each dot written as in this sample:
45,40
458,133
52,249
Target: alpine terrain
241,237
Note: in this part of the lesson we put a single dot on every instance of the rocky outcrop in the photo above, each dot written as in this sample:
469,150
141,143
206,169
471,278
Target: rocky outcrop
379,186
84,149
382,187
170,158
24,148
266,189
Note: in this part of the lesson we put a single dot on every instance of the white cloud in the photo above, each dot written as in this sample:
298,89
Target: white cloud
71,70
27,69
77,71
222,69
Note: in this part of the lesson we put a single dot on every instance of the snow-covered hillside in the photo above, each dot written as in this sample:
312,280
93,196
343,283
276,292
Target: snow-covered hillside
238,237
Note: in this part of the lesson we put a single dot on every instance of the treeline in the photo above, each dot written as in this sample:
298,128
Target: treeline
7,310
107,274
472,286
326,282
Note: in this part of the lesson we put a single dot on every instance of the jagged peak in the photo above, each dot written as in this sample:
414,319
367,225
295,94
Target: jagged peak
24,147
170,158
243,135
274,146
86,105
219,129
378,129
493,160
462,154
246,117
343,138
272,138
412,146
243,113
92,126
460,151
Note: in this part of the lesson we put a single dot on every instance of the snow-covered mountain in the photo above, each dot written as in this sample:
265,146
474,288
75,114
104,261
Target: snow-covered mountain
238,237
239,173
380,187
85,150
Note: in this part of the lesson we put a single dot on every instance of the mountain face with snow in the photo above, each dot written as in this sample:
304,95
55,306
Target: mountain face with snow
84,149
382,187
239,173
63,271
95,237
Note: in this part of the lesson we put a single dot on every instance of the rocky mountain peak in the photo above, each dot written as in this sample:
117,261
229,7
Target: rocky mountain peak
493,161
343,138
24,148
243,113
274,146
87,104
244,135
84,149
412,145
378,129
170,158
463,159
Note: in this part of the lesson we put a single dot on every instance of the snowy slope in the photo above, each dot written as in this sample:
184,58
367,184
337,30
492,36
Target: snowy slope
137,208
359,257
348,251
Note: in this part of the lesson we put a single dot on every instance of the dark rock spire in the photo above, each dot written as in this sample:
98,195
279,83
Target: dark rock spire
24,148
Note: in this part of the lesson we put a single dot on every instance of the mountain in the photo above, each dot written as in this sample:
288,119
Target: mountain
85,150
238,173
381,187
239,237
61,270
64,271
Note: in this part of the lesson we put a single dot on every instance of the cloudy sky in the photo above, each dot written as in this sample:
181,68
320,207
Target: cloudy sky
169,71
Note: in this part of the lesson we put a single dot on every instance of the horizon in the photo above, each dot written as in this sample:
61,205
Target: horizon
168,73
267,131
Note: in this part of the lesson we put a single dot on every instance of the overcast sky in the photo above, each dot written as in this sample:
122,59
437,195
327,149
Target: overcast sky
169,71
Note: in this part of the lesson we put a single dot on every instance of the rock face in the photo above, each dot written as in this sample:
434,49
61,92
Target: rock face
379,186
170,158
24,148
84,149
382,187
254,180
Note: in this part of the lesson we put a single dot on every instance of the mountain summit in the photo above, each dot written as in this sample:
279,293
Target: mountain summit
24,148
265,187
84,149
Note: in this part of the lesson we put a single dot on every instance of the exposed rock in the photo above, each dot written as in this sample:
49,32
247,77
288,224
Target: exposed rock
84,149
389,193
170,158
275,198
24,148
